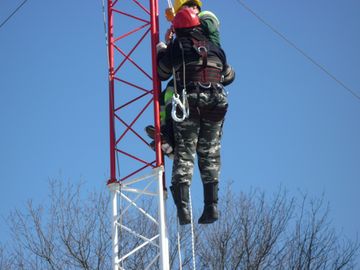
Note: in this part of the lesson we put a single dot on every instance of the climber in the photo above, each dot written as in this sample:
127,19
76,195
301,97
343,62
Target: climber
208,20
199,66
210,26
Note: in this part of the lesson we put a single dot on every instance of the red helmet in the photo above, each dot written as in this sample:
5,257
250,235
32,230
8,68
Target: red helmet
186,18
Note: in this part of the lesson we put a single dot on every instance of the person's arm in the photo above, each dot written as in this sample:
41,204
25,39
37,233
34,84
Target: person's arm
210,20
167,57
211,26
169,35
228,73
164,67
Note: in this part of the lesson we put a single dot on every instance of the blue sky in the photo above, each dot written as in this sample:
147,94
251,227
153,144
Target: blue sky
289,124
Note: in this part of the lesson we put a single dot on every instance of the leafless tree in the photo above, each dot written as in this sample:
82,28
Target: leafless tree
248,233
255,231
71,233
5,259
313,243
275,233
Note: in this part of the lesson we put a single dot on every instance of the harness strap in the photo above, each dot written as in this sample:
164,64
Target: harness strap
212,61
183,104
202,75
201,47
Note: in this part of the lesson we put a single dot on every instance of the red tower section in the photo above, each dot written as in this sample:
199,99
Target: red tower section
134,87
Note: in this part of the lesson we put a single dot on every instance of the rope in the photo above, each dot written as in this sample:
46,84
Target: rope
108,61
192,236
179,244
185,109
12,14
105,31
120,205
192,232
120,201
170,5
176,102
292,44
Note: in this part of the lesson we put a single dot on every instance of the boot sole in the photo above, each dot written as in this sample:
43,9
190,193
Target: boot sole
150,131
208,221
184,222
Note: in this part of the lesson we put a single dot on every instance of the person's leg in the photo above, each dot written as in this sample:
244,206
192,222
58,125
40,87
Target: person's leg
186,136
213,104
208,150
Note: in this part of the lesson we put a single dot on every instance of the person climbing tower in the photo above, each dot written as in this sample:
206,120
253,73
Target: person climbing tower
208,20
210,25
198,111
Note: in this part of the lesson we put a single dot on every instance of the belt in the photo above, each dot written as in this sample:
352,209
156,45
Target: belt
201,75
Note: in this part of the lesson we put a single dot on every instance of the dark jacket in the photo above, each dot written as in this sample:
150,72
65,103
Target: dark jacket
185,48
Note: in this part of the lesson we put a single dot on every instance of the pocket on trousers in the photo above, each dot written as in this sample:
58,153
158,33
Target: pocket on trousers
216,110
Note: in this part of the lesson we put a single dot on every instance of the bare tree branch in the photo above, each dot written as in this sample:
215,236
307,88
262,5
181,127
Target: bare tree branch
254,232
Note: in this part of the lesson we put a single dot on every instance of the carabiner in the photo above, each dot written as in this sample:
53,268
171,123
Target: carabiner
183,105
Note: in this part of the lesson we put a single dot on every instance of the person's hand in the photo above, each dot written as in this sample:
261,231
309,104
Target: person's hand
169,34
160,46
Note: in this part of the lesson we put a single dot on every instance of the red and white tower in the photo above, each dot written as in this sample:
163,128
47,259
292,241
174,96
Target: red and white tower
135,171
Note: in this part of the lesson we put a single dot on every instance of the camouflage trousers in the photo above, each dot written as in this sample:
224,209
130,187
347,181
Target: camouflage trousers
200,134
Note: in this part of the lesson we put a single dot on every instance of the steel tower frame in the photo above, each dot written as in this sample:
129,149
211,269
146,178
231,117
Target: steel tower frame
130,84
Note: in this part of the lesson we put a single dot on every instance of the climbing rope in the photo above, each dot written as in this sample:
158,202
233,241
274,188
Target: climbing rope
192,232
170,5
301,51
183,104
192,228
12,14
120,201
105,31
179,245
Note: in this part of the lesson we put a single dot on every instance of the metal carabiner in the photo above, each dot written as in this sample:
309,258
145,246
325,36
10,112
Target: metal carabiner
200,48
175,103
183,105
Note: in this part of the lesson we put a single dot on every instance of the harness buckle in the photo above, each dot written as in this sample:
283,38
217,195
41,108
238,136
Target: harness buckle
222,78
205,86
200,48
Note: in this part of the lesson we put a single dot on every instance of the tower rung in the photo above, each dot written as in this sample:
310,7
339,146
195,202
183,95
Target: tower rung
136,198
139,208
135,190
137,248
137,234
153,261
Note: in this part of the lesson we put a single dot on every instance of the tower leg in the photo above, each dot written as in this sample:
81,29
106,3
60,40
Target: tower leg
114,228
164,242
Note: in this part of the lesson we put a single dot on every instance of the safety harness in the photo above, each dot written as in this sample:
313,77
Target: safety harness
205,72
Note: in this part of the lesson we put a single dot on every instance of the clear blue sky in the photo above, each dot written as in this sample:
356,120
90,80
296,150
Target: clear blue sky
289,123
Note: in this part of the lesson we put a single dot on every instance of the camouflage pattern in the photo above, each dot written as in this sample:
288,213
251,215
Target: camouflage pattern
200,134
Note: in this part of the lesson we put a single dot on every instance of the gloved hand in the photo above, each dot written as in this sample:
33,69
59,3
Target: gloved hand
169,34
160,46
228,74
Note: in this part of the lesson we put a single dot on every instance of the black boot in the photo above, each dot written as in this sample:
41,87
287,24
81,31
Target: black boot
180,194
210,213
167,145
